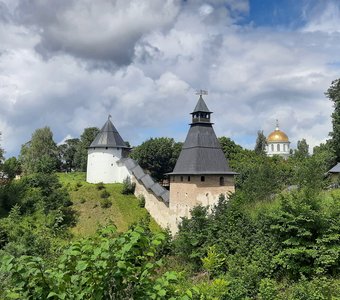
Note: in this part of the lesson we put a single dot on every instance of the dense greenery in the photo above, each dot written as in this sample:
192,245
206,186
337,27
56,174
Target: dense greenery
157,155
333,93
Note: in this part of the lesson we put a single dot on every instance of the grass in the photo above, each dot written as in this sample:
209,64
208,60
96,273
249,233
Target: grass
86,199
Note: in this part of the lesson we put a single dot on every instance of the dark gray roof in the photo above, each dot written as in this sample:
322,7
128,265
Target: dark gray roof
335,169
130,163
165,197
147,181
201,106
157,189
138,172
108,137
201,152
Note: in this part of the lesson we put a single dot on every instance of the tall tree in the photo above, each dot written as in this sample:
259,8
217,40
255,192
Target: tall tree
157,155
1,152
67,152
229,147
302,150
261,143
11,167
80,157
333,93
40,155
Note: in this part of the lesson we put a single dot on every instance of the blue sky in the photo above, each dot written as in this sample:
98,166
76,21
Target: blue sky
67,64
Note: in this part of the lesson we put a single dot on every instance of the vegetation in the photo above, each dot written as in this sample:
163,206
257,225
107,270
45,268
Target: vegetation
157,155
128,186
261,143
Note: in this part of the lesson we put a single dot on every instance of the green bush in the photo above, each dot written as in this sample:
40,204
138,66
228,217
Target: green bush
141,201
104,194
128,186
100,186
105,203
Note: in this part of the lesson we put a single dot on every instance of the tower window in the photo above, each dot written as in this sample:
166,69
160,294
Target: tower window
188,178
173,178
221,180
181,178
202,178
272,148
278,147
106,148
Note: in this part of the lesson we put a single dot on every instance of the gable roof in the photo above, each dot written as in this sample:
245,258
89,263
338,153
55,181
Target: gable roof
108,137
335,169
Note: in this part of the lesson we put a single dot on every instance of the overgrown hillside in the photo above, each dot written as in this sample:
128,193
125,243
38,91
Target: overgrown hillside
98,204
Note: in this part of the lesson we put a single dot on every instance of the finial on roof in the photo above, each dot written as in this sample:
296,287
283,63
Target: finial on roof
201,92
277,124
109,117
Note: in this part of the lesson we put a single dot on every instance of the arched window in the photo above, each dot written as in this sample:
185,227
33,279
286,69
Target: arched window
278,147
272,147
221,180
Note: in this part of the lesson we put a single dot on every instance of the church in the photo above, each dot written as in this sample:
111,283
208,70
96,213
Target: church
278,143
200,176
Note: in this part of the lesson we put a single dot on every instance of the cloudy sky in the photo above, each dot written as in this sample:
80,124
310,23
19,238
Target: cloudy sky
67,64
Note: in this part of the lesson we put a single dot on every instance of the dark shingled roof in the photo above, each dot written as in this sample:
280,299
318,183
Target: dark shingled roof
108,137
335,169
147,181
201,106
201,152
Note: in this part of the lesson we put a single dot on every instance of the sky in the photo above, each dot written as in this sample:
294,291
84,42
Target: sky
68,64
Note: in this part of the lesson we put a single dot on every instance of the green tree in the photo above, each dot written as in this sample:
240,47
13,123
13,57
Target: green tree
157,155
80,156
67,152
40,155
1,153
333,93
302,150
12,167
261,143
229,147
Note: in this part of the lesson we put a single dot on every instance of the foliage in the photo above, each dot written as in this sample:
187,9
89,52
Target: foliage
104,194
157,155
261,143
102,267
1,152
100,186
229,147
141,201
302,150
333,93
11,167
105,203
67,152
128,186
40,154
80,156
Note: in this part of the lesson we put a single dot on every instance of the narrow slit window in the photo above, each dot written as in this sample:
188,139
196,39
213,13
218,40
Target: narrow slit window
202,178
221,180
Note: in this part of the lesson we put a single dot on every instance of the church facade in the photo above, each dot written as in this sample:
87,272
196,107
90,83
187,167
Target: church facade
278,143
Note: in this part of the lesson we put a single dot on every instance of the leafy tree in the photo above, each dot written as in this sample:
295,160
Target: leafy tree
261,143
302,150
40,155
67,152
333,93
12,167
80,156
1,152
229,147
157,155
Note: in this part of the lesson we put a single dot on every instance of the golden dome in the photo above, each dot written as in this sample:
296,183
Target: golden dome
277,136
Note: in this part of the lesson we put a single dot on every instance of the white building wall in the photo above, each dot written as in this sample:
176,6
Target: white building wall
103,166
278,148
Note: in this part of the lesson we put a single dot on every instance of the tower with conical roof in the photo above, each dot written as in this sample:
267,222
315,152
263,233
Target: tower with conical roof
278,143
202,172
105,156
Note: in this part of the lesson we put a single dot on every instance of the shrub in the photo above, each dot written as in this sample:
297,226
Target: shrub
82,200
128,186
104,194
105,203
100,186
141,200
79,184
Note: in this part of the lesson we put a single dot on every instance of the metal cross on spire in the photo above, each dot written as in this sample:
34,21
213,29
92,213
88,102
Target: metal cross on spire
109,117
277,124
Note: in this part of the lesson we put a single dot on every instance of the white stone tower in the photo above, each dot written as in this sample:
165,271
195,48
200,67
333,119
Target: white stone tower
106,155
278,143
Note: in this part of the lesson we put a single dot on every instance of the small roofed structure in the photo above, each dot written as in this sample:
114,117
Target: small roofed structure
105,154
334,173
201,172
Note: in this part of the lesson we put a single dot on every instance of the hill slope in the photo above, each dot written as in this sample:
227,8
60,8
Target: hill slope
86,199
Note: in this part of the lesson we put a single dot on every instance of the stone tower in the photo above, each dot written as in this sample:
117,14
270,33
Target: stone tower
106,154
278,143
201,173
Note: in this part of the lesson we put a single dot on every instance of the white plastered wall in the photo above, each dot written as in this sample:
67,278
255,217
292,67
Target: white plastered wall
278,148
103,166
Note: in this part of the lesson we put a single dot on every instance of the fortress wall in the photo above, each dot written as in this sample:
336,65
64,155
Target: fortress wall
157,208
